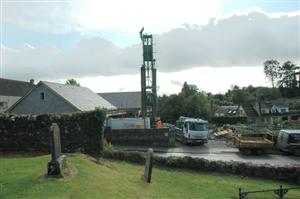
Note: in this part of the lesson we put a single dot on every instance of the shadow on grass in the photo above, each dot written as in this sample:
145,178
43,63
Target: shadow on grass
21,154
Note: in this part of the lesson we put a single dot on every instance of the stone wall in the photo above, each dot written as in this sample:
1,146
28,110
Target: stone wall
31,133
290,174
142,137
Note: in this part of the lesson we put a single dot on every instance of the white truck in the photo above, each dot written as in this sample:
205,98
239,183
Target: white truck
128,123
191,130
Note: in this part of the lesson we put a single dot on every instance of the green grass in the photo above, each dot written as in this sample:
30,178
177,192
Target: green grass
23,177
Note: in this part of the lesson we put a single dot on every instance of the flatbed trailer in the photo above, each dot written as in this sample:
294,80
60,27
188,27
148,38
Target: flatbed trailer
253,143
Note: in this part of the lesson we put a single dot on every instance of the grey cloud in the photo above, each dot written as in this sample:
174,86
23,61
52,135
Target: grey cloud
91,57
246,40
176,83
237,41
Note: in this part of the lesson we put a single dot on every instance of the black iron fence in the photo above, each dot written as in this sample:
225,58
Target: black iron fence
279,192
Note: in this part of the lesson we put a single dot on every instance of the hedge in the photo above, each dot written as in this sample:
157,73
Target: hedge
80,131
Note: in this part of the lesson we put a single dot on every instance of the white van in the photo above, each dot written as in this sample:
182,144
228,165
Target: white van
289,141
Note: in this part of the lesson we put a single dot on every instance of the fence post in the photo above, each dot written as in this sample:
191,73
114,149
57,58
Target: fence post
240,193
280,192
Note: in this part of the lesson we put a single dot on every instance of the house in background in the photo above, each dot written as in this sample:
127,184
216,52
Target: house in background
270,112
48,97
263,107
129,102
11,91
230,111
280,107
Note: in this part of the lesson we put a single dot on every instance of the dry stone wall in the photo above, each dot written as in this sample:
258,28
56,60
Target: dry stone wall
290,174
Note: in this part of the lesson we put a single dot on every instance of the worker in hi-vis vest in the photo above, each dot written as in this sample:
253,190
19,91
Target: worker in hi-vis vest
159,123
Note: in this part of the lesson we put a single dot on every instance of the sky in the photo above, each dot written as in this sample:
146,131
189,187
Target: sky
212,44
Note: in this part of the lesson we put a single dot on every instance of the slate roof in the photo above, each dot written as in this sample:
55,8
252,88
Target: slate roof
266,104
81,97
280,102
124,100
10,87
226,109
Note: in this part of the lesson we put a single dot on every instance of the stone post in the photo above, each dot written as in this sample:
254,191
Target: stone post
58,161
148,166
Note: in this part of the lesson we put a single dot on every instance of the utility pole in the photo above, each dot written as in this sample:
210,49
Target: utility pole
148,79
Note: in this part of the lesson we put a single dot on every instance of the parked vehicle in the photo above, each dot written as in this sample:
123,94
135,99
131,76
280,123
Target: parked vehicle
253,143
289,141
127,123
191,130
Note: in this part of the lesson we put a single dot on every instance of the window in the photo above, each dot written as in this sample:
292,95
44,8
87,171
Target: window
3,104
42,95
283,110
197,126
294,138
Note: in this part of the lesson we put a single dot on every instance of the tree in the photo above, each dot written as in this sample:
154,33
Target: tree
271,70
189,102
238,95
72,82
288,75
288,82
188,89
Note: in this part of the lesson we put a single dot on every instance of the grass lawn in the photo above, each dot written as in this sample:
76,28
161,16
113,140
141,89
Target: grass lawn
23,177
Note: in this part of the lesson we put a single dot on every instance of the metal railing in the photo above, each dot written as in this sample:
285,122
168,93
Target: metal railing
279,192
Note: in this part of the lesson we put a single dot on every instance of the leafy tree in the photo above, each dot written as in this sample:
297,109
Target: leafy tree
189,102
197,106
72,82
288,75
238,96
170,107
288,83
188,89
267,93
271,70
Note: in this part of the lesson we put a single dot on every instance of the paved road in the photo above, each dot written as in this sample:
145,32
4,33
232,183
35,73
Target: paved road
219,150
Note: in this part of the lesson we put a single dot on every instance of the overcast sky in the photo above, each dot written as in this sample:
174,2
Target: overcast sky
213,45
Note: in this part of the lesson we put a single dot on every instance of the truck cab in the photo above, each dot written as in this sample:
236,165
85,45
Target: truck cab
192,130
289,141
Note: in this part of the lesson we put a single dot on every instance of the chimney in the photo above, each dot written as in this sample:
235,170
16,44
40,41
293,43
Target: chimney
31,81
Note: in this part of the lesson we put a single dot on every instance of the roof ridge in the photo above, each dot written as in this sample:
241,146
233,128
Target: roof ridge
13,80
64,84
120,92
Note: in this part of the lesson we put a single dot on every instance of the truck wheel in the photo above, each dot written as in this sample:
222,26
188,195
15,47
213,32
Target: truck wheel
245,151
296,152
184,140
260,151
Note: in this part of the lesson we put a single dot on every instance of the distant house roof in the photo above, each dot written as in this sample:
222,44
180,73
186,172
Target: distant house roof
227,110
280,102
266,104
10,87
124,100
81,98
